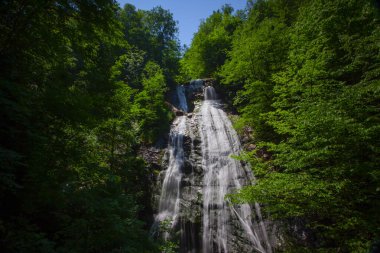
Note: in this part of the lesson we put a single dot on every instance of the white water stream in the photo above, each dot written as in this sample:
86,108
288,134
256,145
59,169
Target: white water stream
170,193
223,174
221,221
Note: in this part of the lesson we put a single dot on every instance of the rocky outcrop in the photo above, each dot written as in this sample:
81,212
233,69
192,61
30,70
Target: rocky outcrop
175,110
188,228
191,189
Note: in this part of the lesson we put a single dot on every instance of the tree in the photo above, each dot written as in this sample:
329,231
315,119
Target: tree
323,168
155,33
210,44
70,173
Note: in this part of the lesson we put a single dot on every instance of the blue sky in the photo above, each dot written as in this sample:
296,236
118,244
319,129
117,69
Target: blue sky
188,13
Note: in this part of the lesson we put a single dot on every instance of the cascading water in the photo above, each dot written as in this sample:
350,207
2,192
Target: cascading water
182,98
223,174
168,208
210,93
198,177
170,193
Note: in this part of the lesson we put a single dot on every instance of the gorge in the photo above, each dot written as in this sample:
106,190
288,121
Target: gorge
106,146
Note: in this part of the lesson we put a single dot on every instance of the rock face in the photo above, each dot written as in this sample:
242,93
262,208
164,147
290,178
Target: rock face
199,173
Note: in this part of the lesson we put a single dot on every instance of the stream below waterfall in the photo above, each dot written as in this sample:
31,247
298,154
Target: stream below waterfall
200,172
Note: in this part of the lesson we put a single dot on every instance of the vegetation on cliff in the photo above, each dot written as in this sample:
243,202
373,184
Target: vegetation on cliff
304,75
82,87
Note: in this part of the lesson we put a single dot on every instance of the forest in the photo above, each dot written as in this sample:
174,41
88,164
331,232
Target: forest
84,86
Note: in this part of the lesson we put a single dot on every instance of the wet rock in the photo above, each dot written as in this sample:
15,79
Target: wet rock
187,167
152,155
179,113
245,139
251,147
192,182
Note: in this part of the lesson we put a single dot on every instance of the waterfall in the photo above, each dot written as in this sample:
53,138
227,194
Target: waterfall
182,98
220,226
223,174
196,85
210,93
170,194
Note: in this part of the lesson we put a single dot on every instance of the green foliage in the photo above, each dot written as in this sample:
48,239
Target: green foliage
306,77
258,51
155,33
167,245
83,85
210,44
79,94
150,108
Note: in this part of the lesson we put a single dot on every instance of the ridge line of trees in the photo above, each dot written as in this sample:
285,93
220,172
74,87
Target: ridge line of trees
83,87
305,77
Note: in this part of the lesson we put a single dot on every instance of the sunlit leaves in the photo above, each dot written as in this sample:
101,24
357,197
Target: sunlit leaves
309,89
210,44
69,86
